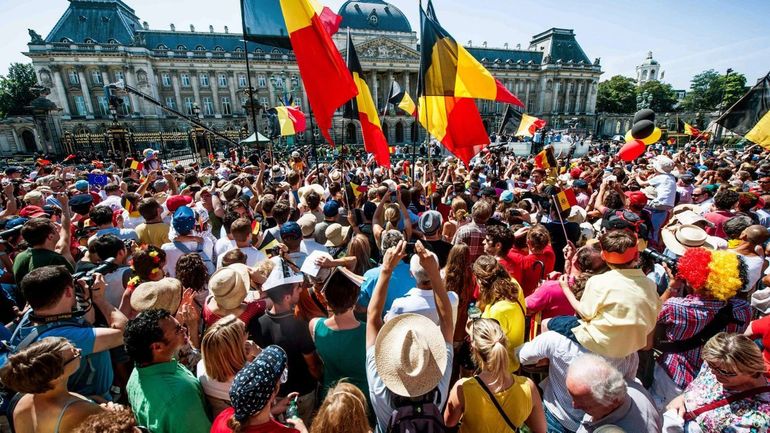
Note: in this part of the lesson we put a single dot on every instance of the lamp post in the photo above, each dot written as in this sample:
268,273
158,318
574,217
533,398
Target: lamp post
196,131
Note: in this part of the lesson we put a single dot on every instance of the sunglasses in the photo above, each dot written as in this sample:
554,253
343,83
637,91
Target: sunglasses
76,356
722,372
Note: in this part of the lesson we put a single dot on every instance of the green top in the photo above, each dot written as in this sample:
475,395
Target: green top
167,398
33,258
343,354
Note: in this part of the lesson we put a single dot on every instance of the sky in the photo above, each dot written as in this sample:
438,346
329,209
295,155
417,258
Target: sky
685,36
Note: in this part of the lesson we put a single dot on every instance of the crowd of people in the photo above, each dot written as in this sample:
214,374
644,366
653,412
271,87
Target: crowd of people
585,294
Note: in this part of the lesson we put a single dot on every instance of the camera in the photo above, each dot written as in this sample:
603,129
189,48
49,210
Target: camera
105,267
657,257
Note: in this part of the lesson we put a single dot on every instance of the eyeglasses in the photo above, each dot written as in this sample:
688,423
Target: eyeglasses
76,356
721,372
763,181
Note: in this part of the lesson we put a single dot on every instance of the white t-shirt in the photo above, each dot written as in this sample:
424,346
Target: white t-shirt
309,245
173,254
253,256
665,186
213,388
422,302
223,245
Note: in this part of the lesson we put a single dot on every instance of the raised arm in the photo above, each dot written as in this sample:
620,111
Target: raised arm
374,312
443,304
65,233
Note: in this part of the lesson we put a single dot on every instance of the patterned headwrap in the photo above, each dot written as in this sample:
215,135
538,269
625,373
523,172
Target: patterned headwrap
255,383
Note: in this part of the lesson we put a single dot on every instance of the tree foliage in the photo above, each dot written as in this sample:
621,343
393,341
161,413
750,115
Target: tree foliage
616,95
663,96
15,93
709,88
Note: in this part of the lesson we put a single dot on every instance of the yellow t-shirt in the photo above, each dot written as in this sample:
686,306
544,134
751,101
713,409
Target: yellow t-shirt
510,315
621,308
480,414
153,234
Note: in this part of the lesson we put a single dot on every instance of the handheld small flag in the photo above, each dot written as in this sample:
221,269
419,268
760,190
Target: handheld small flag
750,116
401,100
286,120
136,165
69,157
566,199
268,242
688,129
391,150
524,124
545,159
672,140
43,162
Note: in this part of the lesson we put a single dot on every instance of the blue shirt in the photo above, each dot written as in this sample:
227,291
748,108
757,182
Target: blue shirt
400,282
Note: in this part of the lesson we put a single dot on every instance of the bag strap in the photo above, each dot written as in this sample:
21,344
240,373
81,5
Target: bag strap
721,319
497,405
691,415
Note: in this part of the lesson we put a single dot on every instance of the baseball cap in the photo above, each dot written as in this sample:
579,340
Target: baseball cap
579,183
183,220
506,196
176,201
291,229
331,208
82,185
636,198
11,170
32,212
254,384
430,222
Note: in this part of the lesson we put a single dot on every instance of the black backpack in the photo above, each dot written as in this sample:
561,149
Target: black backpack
418,417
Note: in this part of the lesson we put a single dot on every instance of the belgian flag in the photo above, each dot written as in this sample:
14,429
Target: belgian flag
545,159
525,125
448,69
401,99
362,108
688,129
750,116
286,121
327,81
264,23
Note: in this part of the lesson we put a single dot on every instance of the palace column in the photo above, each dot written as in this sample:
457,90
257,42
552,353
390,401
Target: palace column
527,90
578,106
270,89
214,83
555,103
61,91
235,102
406,86
177,92
131,81
591,97
568,103
541,95
375,90
86,94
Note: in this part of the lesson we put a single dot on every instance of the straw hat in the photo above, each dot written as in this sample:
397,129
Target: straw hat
229,285
410,355
336,235
679,239
165,294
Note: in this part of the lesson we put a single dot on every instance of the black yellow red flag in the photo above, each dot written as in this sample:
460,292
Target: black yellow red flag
362,107
750,116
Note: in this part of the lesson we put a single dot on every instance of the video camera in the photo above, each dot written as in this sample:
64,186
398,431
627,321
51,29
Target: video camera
104,268
657,257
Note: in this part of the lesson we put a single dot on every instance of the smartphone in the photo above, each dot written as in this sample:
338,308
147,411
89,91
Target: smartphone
410,247
393,197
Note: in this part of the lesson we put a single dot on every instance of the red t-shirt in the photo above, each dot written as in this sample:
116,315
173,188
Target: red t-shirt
253,309
548,257
718,218
272,426
523,269
762,327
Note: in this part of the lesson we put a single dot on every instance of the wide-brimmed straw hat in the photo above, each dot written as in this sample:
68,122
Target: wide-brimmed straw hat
679,238
165,294
229,285
410,355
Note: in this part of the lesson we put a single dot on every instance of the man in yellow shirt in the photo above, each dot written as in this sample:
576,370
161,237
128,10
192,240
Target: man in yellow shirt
153,231
619,308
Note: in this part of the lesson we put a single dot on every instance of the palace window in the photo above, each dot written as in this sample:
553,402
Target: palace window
204,79
185,79
162,47
165,78
120,76
125,107
113,41
242,81
200,48
263,102
218,49
208,106
261,81
226,108
171,102
222,80
188,106
104,106
181,48
278,84
96,77
238,50
73,76
80,105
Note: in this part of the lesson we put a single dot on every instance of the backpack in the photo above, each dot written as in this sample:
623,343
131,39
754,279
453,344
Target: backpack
417,418
18,342
206,260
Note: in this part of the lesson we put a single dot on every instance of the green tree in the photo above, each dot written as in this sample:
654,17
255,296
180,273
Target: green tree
708,89
663,96
616,95
15,93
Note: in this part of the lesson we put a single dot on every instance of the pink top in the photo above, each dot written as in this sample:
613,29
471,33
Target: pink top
549,300
253,309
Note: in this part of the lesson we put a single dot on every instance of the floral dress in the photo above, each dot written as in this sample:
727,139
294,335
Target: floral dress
749,415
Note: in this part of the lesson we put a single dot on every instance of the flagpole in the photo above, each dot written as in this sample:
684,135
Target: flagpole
558,212
312,136
254,109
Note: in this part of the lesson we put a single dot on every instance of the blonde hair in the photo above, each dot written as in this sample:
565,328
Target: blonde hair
360,249
392,215
734,352
343,410
495,283
222,348
490,347
459,209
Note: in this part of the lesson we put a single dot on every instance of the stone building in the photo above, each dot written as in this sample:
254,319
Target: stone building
97,42
649,70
